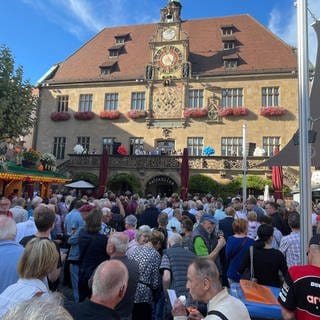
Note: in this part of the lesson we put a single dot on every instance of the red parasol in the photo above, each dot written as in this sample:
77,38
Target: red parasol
184,174
277,179
103,173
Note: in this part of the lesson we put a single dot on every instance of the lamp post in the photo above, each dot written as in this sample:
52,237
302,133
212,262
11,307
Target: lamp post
304,117
244,164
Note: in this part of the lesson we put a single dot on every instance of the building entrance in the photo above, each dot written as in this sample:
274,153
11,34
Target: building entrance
162,185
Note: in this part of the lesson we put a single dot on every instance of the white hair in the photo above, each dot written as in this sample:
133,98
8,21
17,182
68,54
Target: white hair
8,228
46,307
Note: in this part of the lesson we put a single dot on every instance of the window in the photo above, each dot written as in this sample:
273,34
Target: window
195,146
195,99
231,146
229,64
270,97
113,53
105,70
227,31
111,101
85,102
63,103
136,144
228,45
138,100
232,98
59,146
85,142
269,144
108,143
120,40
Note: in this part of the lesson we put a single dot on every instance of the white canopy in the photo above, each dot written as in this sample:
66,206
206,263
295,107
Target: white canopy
81,184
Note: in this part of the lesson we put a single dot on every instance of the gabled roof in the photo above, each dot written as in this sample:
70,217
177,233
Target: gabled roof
258,48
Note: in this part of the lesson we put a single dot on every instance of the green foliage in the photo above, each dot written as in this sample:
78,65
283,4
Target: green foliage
255,182
17,104
202,184
87,176
123,181
231,189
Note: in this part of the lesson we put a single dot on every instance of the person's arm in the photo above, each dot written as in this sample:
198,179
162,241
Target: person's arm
221,243
121,208
287,314
166,280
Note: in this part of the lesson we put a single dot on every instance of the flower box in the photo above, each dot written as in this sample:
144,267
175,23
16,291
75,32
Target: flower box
195,113
31,155
272,111
135,114
240,111
87,115
110,115
60,116
224,112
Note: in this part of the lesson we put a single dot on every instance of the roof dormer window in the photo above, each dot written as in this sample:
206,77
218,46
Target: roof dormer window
108,67
227,30
227,45
115,51
231,61
121,38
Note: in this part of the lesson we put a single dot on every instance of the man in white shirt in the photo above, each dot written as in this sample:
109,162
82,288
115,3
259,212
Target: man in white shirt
20,214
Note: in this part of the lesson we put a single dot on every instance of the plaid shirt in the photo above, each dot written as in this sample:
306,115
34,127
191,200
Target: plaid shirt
290,247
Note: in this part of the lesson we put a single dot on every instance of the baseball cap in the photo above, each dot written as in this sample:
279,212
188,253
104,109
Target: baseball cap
260,198
315,240
208,217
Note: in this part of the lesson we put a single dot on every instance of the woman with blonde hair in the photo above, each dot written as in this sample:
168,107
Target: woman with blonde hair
38,261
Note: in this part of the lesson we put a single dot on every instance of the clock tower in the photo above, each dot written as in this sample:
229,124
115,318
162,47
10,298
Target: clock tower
169,70
169,47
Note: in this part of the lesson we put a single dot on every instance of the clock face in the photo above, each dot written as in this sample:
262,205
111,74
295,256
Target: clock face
169,34
168,59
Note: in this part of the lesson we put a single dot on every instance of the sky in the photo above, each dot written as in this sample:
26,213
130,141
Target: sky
41,33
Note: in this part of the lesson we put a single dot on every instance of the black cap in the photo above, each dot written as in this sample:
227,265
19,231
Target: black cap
315,240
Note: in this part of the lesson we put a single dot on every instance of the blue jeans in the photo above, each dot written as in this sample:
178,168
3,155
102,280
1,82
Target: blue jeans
74,274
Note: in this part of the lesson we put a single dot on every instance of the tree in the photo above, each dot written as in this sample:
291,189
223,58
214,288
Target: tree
17,104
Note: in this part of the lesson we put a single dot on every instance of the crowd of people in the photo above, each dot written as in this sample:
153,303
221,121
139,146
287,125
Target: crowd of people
120,254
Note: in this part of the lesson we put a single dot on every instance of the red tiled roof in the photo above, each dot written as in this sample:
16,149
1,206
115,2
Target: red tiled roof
259,49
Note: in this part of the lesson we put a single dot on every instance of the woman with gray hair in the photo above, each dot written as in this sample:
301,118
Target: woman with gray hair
142,236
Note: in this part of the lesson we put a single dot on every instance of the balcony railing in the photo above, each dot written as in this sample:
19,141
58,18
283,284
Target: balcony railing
215,163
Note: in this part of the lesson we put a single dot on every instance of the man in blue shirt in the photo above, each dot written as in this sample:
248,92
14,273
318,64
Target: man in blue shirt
10,251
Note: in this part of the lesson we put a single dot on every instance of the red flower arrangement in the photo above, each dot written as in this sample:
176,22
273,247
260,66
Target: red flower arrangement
60,116
135,114
195,113
230,111
224,112
110,115
272,111
87,115
240,111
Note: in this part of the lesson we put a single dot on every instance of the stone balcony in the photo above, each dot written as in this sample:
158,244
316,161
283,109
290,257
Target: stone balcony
197,164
